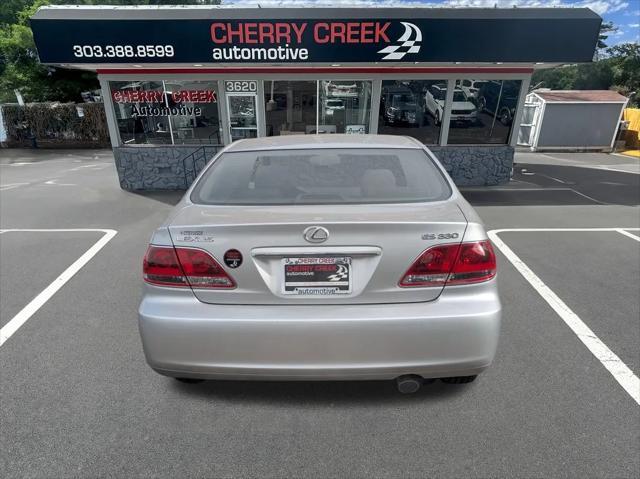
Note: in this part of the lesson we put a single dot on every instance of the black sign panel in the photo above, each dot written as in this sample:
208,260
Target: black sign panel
349,40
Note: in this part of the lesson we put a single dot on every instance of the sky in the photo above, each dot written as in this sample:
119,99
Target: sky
625,14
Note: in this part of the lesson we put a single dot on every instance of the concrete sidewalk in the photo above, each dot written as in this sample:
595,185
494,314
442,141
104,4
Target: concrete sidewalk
607,161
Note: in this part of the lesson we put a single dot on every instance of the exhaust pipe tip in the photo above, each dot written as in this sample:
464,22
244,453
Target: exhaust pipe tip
408,384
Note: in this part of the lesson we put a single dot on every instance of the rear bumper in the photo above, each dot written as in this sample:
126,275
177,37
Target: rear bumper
455,335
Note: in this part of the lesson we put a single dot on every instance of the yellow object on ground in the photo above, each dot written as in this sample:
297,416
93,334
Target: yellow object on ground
634,153
632,135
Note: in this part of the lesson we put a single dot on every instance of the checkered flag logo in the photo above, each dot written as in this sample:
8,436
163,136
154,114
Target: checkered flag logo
342,273
397,52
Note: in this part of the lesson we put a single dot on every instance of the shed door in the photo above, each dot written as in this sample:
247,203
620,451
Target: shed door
528,126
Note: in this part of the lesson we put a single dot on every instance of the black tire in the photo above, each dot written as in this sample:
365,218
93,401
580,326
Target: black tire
190,380
459,379
505,117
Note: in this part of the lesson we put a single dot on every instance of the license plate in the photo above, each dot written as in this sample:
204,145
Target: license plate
317,276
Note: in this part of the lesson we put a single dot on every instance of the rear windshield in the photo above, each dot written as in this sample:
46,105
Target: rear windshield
321,176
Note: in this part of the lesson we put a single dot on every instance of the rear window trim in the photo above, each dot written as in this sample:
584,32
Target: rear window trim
427,153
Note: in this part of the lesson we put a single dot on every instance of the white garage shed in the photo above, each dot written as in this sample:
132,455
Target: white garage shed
571,119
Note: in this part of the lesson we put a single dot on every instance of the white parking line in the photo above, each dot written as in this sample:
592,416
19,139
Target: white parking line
36,303
626,233
491,189
617,170
618,369
55,183
10,186
93,167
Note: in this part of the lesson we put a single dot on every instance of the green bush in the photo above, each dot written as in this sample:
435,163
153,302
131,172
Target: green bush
56,124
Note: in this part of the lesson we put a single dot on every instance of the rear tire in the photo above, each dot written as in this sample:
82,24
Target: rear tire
190,380
459,379
505,117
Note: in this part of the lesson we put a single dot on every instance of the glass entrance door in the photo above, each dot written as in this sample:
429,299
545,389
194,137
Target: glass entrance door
243,118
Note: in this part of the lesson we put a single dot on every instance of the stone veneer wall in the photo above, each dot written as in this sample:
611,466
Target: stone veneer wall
161,167
171,167
476,165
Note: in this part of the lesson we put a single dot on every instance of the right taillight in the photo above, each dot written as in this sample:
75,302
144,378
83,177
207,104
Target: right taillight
184,267
476,263
452,264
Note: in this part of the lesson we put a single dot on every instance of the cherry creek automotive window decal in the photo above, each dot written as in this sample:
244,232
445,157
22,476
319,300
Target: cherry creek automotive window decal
370,40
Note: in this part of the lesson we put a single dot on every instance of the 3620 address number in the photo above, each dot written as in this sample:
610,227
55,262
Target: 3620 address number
123,51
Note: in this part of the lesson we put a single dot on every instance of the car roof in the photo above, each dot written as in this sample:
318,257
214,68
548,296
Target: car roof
296,142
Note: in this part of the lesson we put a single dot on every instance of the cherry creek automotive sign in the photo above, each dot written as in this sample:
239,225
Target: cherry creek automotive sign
370,40
161,103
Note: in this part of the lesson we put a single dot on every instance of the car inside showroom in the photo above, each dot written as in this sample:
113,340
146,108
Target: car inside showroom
180,83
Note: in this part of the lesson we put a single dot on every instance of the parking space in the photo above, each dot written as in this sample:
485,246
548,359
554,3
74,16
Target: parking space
21,288
32,260
78,399
590,277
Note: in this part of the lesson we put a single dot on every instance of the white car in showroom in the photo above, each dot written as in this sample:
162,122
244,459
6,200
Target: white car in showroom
321,257
471,87
462,109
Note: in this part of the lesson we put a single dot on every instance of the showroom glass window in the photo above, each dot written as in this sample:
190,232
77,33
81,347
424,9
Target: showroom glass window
344,107
324,106
404,109
483,111
198,118
290,107
166,112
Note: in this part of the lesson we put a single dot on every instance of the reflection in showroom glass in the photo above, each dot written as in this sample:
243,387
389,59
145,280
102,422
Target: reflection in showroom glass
325,106
166,112
483,111
344,106
290,107
403,109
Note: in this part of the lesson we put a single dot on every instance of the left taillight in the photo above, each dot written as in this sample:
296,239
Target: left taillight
184,267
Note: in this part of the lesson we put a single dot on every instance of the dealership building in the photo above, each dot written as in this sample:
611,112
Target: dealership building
180,83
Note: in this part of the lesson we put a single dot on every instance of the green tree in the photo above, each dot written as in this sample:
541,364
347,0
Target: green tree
19,65
625,65
20,68
605,29
9,10
618,69
593,76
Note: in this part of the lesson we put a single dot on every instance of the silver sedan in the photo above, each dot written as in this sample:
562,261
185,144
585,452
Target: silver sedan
321,257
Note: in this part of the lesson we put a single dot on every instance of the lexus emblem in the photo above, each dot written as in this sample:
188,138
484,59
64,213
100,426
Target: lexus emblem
316,234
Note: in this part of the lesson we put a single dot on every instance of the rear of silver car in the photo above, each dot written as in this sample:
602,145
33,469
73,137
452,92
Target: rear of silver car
351,283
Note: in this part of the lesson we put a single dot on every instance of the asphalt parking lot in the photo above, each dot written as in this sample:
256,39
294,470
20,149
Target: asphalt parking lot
78,399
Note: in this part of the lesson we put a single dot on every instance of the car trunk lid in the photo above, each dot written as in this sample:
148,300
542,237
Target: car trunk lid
367,250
